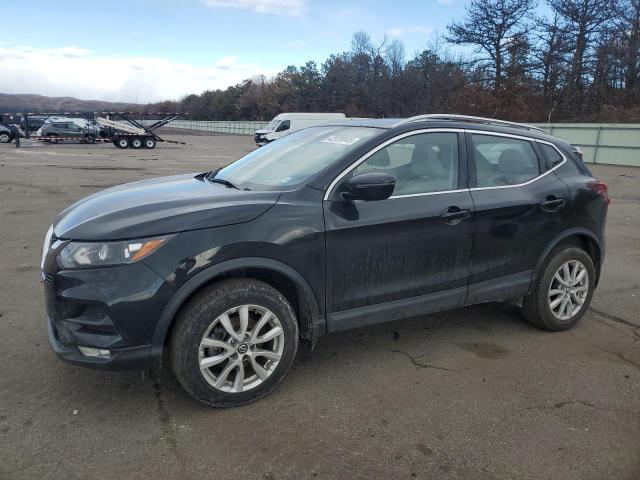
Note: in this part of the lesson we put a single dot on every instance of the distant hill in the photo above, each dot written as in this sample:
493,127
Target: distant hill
10,103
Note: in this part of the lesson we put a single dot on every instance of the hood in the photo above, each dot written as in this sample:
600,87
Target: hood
159,206
263,131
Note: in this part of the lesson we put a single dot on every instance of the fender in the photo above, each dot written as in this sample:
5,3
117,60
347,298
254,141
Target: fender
565,234
312,325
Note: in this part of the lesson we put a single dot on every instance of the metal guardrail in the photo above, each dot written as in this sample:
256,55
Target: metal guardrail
606,143
230,127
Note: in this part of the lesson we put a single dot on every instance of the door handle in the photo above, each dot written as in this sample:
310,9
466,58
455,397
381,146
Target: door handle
453,215
553,204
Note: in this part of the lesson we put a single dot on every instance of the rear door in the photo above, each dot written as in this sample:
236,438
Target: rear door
520,207
415,244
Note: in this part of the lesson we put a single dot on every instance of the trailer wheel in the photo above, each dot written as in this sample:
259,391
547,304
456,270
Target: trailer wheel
136,142
121,142
149,142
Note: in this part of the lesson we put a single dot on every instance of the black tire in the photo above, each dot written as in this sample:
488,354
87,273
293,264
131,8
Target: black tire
5,137
194,320
90,138
52,138
535,306
135,142
149,142
121,142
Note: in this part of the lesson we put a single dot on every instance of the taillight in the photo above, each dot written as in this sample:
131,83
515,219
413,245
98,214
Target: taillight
601,189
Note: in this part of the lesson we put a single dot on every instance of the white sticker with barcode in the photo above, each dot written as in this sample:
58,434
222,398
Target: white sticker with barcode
340,140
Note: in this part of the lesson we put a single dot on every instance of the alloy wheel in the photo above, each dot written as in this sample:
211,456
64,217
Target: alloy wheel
568,290
241,348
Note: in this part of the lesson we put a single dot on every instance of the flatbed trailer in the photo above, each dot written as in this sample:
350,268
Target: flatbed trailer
128,132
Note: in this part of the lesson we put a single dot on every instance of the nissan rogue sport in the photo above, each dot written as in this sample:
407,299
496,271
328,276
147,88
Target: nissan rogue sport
332,227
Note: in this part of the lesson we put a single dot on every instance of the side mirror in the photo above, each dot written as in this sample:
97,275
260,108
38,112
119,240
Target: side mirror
369,187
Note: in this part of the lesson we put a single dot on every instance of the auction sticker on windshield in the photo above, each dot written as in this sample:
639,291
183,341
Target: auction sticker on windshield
340,140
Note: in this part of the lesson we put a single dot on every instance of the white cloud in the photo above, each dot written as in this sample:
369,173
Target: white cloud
81,73
277,7
445,2
400,31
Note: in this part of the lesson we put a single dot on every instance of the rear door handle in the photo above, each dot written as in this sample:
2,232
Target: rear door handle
553,204
453,215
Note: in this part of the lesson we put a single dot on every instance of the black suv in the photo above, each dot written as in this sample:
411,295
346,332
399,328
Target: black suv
329,228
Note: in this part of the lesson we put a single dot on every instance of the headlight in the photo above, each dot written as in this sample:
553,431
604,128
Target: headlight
83,255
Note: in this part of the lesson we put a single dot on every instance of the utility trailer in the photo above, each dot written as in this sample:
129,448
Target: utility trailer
127,132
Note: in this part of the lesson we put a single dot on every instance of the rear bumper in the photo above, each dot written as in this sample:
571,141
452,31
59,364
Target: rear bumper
134,358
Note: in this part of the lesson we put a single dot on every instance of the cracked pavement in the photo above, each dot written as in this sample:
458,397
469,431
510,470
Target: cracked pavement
474,393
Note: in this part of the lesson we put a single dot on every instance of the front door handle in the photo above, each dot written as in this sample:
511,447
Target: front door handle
453,215
553,204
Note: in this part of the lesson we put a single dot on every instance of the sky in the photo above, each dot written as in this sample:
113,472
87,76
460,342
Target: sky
151,50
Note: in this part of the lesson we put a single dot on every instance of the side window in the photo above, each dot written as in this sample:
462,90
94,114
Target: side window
284,125
552,155
503,160
422,163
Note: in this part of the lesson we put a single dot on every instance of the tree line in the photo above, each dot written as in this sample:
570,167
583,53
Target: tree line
581,62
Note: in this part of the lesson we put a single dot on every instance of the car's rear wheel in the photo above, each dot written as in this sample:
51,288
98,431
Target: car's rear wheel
562,293
90,138
5,138
52,138
234,342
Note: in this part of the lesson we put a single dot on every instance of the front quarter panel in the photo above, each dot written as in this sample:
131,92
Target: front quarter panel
291,232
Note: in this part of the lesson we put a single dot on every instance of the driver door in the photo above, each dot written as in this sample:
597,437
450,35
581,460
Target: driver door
408,254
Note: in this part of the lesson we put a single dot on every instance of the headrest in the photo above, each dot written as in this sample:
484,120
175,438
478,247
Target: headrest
511,161
426,163
380,158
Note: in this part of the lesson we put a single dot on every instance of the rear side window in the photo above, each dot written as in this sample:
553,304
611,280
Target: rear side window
552,155
503,161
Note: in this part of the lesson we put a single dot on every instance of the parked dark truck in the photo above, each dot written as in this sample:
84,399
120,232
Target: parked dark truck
329,228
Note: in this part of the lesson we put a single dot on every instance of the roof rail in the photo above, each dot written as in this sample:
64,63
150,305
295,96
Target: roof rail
467,118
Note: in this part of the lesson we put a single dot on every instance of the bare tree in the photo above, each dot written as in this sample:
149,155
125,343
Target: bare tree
490,26
582,20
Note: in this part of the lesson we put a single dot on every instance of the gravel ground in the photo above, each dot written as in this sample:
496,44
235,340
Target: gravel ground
473,393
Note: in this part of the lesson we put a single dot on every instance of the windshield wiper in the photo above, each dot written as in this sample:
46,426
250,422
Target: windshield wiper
224,182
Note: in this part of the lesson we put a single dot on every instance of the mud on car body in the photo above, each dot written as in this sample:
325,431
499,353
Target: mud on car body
332,227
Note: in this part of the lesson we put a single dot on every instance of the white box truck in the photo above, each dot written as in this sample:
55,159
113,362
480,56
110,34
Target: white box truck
286,123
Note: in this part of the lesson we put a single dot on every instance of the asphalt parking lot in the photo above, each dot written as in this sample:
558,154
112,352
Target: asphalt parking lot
474,393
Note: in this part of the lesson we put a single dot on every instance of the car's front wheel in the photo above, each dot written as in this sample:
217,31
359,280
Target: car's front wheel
562,293
234,342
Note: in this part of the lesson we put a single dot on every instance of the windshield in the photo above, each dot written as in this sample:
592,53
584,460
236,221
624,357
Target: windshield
272,124
295,158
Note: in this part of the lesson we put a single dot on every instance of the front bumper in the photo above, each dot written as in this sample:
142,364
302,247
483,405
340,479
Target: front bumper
133,358
113,308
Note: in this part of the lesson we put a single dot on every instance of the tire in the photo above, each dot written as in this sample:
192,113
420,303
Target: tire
149,142
202,320
136,142
89,138
121,142
5,138
537,306
52,138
